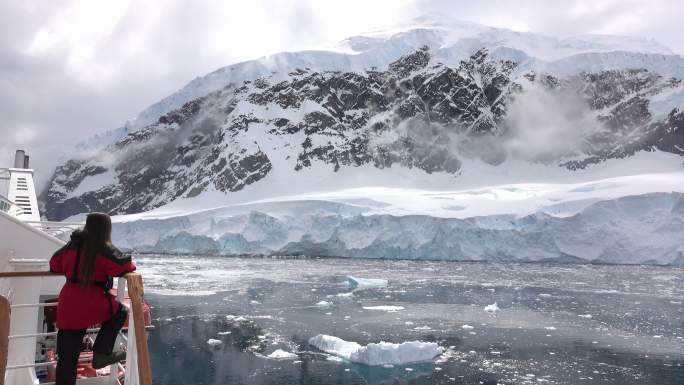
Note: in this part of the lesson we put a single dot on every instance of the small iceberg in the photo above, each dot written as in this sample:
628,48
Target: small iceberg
213,342
377,354
493,308
280,354
323,304
467,327
366,283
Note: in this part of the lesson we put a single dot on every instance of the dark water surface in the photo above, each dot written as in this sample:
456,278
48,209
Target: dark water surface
555,324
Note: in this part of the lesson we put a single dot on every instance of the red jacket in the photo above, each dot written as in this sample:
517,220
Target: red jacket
83,306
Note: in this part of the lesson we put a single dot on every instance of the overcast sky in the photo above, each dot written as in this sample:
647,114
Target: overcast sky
69,69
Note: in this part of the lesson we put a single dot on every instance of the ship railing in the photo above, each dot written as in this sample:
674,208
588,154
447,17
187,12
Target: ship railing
137,370
56,229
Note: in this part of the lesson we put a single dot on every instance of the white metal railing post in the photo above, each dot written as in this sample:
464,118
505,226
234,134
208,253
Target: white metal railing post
120,295
131,353
131,375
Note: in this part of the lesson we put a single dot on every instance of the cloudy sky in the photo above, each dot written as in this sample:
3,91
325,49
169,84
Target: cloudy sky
71,68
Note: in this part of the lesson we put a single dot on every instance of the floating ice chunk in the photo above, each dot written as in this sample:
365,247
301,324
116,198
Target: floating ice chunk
323,304
493,308
587,316
550,327
366,283
345,295
422,328
546,295
213,342
336,346
467,327
384,307
223,333
377,354
280,354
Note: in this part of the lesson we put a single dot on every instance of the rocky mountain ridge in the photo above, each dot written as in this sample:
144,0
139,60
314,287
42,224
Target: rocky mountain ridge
419,113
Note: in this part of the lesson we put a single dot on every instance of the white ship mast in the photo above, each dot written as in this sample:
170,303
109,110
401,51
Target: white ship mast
26,245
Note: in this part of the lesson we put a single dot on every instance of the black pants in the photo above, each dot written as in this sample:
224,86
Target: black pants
70,344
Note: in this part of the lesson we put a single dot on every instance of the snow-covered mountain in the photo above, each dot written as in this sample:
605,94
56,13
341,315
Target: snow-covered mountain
419,114
414,107
450,41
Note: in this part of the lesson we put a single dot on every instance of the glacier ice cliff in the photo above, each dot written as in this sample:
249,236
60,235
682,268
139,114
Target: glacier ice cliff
634,229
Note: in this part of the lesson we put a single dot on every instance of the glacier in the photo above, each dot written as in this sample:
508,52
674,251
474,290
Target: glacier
631,219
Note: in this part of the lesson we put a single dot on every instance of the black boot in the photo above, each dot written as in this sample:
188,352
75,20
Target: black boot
101,360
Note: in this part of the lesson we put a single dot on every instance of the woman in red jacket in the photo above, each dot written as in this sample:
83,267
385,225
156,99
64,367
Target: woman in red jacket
89,261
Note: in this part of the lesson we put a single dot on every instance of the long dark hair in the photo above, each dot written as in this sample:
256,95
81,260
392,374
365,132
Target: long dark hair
97,235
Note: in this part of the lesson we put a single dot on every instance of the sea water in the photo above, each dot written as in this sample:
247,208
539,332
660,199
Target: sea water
222,320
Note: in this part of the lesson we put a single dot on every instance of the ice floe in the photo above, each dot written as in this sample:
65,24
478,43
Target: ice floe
280,354
384,308
377,354
366,283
